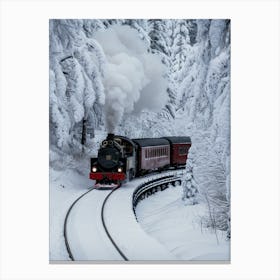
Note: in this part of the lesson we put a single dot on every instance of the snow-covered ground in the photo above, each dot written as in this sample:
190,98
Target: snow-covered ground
177,226
65,187
165,223
86,236
88,240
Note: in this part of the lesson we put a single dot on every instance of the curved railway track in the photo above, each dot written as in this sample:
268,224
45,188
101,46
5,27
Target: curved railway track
151,187
106,229
103,223
143,191
65,224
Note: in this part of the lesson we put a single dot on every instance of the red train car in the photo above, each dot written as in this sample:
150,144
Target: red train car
179,147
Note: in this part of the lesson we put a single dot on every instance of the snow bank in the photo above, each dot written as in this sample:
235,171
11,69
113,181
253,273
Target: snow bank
177,227
65,187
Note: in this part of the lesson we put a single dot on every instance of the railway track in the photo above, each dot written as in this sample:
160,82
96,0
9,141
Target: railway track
106,229
71,256
143,191
149,188
65,224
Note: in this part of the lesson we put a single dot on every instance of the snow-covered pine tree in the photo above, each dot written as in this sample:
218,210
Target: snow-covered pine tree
75,87
205,98
189,185
158,34
180,42
141,25
161,36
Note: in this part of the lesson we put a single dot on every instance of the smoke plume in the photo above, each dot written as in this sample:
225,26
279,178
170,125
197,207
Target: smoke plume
133,78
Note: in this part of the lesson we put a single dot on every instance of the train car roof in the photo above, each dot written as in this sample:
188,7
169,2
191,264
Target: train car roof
146,142
178,139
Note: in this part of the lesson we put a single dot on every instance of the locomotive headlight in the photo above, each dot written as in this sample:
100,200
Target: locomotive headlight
94,169
119,169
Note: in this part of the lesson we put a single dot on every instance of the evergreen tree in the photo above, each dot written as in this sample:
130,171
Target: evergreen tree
76,69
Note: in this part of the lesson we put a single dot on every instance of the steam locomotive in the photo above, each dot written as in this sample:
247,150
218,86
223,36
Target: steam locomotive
120,158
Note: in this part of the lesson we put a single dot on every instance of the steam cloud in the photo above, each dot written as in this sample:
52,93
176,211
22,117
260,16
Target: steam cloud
133,78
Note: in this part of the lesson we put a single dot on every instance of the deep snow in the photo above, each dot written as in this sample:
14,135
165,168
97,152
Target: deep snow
65,187
164,217
167,230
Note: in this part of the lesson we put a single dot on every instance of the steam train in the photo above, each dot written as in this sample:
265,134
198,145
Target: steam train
120,158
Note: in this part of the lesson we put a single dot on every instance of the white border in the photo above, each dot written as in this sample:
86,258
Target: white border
255,138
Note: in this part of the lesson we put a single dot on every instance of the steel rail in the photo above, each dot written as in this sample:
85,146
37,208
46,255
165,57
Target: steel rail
106,229
65,224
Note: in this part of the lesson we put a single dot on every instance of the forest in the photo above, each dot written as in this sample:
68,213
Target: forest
145,78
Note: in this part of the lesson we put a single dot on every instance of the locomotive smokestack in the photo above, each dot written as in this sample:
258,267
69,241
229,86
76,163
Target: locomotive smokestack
110,136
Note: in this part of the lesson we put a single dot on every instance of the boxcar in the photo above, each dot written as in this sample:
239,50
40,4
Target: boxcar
179,147
153,153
